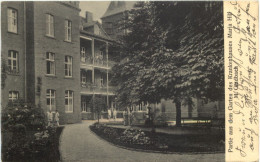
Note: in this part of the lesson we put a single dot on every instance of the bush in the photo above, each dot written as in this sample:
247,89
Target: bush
19,121
133,136
18,112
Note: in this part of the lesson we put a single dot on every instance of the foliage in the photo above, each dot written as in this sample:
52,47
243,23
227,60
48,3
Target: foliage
19,121
195,39
132,73
4,69
18,147
173,50
134,136
97,105
17,112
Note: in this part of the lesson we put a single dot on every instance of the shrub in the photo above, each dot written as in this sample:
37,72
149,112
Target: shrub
19,120
18,112
138,137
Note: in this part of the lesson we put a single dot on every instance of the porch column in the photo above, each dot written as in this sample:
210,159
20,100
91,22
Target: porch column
93,75
93,58
107,73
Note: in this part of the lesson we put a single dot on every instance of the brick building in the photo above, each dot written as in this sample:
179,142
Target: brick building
59,60
40,45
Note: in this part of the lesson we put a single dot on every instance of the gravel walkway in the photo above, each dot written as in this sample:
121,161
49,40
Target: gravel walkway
78,143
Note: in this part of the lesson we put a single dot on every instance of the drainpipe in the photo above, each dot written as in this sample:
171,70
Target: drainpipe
25,53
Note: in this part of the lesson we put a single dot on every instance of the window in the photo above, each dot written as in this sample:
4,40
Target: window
68,66
83,77
102,80
83,54
50,97
13,61
140,107
13,95
68,101
68,30
50,63
101,57
12,20
84,106
49,25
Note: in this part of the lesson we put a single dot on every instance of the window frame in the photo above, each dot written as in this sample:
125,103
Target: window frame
51,60
83,54
12,28
83,77
102,80
49,25
68,67
12,60
68,30
12,99
51,97
84,107
69,96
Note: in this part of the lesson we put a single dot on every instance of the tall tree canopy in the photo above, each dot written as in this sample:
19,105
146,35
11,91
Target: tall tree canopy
172,50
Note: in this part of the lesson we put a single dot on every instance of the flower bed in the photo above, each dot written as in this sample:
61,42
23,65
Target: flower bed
146,140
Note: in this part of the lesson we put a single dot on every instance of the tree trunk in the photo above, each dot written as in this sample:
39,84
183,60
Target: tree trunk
178,113
190,110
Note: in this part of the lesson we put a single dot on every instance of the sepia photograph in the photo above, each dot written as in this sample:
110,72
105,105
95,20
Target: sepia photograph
112,81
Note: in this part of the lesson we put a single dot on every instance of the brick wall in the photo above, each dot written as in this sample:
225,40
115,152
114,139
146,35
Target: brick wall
13,41
61,48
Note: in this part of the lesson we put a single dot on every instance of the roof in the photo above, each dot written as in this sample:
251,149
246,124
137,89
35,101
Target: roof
116,7
89,24
83,32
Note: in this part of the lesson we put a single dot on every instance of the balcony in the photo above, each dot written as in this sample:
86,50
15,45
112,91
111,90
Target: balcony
87,63
90,88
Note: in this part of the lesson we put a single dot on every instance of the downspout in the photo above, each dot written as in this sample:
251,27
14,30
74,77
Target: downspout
25,58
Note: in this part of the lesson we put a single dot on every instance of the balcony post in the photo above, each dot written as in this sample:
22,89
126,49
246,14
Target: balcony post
107,73
93,55
93,75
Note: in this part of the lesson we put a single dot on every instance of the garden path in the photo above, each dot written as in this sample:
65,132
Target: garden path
78,143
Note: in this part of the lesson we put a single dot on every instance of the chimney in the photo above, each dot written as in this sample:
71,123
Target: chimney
89,16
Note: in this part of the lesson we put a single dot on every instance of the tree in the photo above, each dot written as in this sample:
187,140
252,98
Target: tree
173,50
132,73
194,34
97,105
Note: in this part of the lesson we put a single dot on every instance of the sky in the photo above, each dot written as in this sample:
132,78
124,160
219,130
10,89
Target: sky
98,8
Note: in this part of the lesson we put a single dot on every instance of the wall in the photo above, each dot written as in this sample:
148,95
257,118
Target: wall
114,19
61,48
13,41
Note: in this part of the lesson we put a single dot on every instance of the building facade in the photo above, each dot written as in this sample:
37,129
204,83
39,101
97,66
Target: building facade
40,45
58,60
95,66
